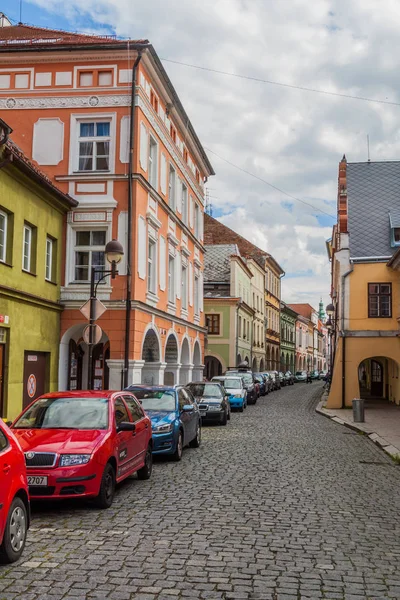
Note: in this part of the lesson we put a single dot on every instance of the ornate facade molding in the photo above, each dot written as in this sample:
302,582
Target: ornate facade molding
65,102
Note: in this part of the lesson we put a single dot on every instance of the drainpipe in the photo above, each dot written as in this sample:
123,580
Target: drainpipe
237,332
344,337
130,215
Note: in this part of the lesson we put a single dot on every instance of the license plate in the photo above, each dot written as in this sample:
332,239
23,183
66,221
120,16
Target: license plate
37,480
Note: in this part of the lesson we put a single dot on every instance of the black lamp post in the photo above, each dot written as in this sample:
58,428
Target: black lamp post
114,253
330,325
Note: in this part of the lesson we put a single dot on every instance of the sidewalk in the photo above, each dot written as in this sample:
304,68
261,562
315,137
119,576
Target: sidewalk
382,422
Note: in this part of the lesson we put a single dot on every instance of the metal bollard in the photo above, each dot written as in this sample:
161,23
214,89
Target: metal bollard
358,410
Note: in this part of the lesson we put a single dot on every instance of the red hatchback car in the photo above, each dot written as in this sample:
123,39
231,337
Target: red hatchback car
14,501
81,443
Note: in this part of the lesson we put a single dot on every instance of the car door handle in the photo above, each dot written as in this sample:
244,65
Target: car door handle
147,425
6,469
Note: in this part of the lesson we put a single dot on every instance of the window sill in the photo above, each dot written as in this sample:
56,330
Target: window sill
51,282
29,273
152,299
5,264
92,172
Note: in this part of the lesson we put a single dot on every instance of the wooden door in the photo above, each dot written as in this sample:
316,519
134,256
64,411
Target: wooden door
75,357
35,380
376,379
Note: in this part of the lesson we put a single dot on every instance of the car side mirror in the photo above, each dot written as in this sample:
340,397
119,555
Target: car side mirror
187,408
126,426
8,423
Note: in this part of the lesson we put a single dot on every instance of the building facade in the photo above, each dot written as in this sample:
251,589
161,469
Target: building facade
137,170
229,317
288,338
273,274
301,343
32,215
257,296
365,268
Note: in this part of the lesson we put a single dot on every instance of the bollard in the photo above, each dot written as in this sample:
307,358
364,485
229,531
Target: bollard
358,410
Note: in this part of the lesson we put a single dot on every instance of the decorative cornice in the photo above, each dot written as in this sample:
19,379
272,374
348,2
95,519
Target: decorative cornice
65,102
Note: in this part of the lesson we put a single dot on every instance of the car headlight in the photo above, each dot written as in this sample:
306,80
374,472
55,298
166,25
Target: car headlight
163,428
238,396
214,408
71,460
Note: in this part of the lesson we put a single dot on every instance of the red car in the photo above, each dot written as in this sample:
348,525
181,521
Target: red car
81,443
14,500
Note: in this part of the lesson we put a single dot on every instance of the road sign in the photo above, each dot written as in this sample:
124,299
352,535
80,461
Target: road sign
99,309
97,333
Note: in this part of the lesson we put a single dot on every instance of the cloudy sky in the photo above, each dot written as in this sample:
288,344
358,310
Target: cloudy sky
288,137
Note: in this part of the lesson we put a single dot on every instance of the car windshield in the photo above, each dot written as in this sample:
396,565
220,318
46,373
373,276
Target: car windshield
300,372
205,390
156,399
233,384
65,413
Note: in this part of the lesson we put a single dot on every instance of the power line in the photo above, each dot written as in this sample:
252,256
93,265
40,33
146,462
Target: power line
286,85
271,185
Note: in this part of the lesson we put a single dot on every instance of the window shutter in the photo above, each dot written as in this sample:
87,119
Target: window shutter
144,146
163,264
178,202
142,248
191,211
163,174
201,225
190,284
201,292
178,278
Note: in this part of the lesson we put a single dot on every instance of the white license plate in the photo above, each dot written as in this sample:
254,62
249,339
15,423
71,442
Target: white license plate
37,480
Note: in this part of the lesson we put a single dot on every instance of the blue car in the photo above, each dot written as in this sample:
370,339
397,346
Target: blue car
235,389
175,417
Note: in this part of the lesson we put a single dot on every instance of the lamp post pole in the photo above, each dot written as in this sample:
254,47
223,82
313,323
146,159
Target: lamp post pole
91,325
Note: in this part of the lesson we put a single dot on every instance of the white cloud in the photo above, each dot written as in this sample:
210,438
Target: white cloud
292,138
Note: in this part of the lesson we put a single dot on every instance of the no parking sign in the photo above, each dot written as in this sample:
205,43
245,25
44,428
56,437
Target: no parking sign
31,386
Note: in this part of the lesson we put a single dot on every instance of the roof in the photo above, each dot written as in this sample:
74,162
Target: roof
305,310
23,34
373,194
217,264
25,164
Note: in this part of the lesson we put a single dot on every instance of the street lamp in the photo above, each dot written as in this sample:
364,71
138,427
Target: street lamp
114,253
330,325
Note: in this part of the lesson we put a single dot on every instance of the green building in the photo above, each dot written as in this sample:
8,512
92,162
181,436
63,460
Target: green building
288,338
229,316
32,214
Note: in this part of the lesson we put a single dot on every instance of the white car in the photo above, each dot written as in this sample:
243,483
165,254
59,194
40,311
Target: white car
235,389
300,376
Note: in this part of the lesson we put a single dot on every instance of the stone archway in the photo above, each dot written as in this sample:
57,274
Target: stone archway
151,370
198,367
186,365
268,357
238,359
171,358
212,368
254,365
262,366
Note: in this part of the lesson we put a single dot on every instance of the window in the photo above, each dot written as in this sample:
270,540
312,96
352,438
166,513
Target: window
213,324
3,441
105,78
379,300
50,270
196,220
86,78
396,235
171,279
89,252
196,296
172,131
184,204
153,163
154,101
134,407
21,80
172,187
151,266
94,146
240,326
185,155
27,249
197,176
184,288
3,236
120,411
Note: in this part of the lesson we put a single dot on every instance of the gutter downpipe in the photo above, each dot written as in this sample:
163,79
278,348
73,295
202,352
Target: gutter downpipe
237,332
130,214
344,337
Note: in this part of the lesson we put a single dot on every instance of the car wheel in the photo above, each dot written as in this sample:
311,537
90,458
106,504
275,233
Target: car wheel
177,455
241,409
195,443
224,420
146,470
15,532
229,415
107,488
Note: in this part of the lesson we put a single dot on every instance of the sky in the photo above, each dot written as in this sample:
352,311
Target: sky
290,138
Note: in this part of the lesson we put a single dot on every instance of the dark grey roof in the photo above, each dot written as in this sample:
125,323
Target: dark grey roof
217,262
373,192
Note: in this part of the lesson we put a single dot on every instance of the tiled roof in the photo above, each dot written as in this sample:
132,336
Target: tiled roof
217,262
305,310
395,217
22,34
373,191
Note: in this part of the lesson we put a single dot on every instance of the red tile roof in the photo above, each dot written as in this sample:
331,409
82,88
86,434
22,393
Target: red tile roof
22,35
305,310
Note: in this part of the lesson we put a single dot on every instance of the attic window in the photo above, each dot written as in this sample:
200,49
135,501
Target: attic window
396,235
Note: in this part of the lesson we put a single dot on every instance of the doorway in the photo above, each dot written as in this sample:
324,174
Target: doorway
376,379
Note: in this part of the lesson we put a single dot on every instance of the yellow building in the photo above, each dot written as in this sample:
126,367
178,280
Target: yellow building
365,255
273,274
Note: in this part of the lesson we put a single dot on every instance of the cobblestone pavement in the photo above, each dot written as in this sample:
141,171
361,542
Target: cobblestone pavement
280,504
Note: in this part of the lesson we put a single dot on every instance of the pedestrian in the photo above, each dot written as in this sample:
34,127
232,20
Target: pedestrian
308,380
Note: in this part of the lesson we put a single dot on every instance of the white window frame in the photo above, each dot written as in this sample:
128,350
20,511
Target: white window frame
184,201
185,287
49,259
75,121
153,162
171,279
196,220
27,230
196,295
89,249
172,187
3,253
151,276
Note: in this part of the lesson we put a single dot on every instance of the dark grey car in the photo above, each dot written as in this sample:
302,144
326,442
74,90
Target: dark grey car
212,400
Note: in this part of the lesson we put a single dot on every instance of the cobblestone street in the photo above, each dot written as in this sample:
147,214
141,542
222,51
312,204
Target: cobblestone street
282,504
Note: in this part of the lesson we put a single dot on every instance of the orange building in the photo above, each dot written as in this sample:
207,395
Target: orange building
138,171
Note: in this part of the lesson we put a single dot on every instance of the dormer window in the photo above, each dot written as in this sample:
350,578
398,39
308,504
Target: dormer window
394,220
396,235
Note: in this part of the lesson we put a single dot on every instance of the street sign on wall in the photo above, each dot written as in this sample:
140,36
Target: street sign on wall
99,309
97,333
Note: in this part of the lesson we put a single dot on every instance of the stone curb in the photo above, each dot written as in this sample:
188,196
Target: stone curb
392,451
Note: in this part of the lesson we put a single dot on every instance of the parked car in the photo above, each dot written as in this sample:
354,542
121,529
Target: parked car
14,497
289,378
261,380
82,443
269,382
175,417
322,375
236,390
250,384
282,378
213,401
300,376
275,379
314,374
